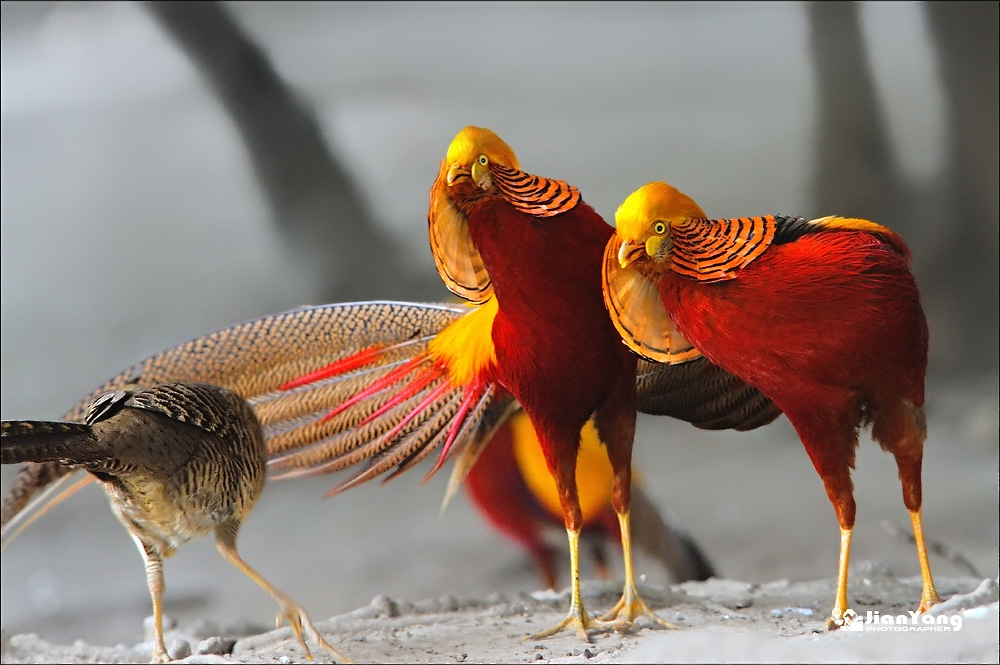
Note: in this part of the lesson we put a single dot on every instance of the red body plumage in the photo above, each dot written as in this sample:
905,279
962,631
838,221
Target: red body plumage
830,327
557,351
822,316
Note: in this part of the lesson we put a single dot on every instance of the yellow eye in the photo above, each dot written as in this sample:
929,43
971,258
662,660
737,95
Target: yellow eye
483,161
660,228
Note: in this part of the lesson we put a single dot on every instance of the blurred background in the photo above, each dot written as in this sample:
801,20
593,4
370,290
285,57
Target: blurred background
168,170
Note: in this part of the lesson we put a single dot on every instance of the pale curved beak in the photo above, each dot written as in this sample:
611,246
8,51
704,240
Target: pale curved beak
629,252
456,171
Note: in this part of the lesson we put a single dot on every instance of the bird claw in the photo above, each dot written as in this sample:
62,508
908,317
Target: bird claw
836,619
579,621
630,607
299,621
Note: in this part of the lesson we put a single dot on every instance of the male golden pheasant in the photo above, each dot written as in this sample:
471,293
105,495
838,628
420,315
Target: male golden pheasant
823,316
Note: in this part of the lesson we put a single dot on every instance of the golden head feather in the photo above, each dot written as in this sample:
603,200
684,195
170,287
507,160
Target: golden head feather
638,216
473,142
640,248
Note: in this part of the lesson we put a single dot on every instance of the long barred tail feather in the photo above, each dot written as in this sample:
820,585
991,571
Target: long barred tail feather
391,422
41,441
357,384
256,359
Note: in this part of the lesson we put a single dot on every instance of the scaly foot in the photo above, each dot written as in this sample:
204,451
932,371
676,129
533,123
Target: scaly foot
300,621
159,655
578,621
836,619
928,601
629,608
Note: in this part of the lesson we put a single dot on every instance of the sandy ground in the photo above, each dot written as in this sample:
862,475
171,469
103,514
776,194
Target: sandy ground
114,157
742,622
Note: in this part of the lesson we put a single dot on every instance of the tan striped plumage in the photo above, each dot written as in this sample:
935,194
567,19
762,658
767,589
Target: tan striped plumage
713,250
700,393
458,261
256,358
534,194
631,301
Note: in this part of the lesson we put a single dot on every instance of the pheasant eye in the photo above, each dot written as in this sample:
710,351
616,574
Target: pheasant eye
659,228
483,161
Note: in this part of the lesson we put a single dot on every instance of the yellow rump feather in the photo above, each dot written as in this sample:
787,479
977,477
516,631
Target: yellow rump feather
593,470
465,347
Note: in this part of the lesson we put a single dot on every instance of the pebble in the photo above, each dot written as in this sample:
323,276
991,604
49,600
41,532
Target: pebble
179,649
386,604
216,645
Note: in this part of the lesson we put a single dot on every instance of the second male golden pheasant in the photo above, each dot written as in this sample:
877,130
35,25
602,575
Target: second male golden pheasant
823,316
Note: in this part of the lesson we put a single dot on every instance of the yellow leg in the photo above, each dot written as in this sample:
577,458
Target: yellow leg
840,603
154,578
631,605
929,596
225,542
577,619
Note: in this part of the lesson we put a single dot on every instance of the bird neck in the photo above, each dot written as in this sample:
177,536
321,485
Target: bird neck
538,266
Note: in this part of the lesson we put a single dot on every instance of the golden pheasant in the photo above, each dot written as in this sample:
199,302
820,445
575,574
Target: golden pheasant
177,461
823,316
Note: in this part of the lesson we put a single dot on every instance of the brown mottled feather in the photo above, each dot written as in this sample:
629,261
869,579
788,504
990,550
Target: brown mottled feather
700,393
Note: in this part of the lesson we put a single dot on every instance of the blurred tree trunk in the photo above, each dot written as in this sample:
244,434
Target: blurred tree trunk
321,216
952,224
854,170
967,38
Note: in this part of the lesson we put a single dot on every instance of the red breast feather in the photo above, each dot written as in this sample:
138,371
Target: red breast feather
557,350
